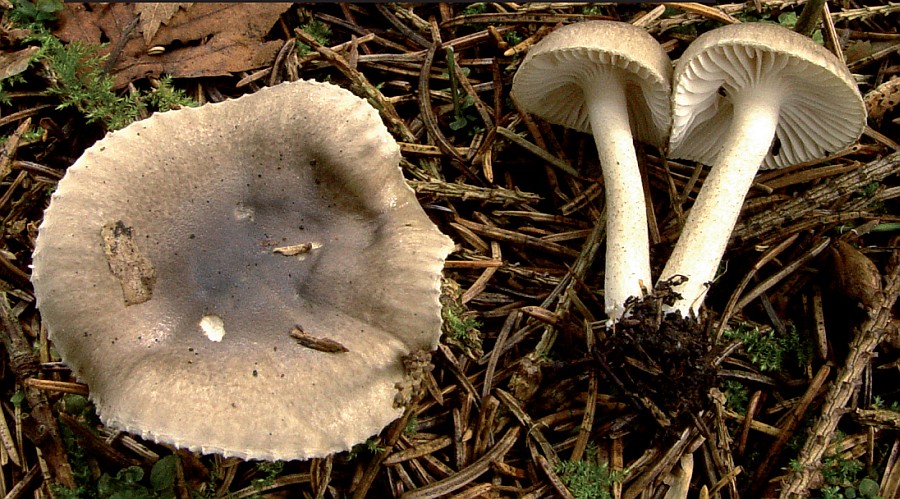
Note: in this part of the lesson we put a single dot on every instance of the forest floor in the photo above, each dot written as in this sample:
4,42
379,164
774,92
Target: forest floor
789,384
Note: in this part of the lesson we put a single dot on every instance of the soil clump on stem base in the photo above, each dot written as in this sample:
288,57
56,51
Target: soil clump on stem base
663,362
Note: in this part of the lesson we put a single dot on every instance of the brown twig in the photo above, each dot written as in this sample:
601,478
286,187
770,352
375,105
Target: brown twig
868,335
823,194
44,432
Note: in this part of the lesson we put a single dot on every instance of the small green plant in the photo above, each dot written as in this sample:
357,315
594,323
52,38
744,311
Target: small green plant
842,479
18,399
9,82
768,351
80,468
513,38
789,20
370,446
586,479
412,426
870,189
166,97
124,485
475,8
374,445
751,16
38,11
127,482
461,103
270,472
460,326
736,395
319,31
80,83
163,475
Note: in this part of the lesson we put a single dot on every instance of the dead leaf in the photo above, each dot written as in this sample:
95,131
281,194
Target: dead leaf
321,344
153,14
14,63
204,39
294,249
128,264
883,99
12,37
856,277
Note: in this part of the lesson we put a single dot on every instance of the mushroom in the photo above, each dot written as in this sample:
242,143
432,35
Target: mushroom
750,96
245,278
611,79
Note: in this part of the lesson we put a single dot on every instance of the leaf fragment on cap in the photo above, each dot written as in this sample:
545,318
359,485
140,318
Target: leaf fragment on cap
320,344
133,270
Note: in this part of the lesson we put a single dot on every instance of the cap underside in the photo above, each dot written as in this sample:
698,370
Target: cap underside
750,58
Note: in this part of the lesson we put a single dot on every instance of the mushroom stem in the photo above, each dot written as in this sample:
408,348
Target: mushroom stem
627,243
713,216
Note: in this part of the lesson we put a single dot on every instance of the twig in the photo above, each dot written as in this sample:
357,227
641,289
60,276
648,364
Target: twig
8,151
468,192
361,83
537,151
730,308
818,196
809,17
397,23
517,238
44,433
867,337
469,473
781,274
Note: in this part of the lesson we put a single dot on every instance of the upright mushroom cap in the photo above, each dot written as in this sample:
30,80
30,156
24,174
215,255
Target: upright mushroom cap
821,110
180,254
612,80
549,80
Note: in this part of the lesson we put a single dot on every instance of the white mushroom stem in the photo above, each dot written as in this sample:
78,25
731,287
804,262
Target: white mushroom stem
627,244
713,216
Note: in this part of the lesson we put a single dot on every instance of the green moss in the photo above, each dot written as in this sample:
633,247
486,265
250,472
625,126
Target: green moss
38,11
319,31
78,81
586,479
769,351
736,395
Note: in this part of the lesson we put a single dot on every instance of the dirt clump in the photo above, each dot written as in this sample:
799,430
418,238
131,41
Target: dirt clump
663,363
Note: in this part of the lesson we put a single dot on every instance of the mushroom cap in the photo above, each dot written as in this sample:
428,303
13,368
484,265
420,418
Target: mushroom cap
186,207
821,110
547,82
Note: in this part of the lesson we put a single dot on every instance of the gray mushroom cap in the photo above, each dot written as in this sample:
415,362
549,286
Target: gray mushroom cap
548,83
160,238
821,111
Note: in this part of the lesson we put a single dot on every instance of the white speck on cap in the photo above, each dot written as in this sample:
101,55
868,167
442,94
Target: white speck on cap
213,327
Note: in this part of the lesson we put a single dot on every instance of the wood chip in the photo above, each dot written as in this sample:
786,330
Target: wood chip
321,344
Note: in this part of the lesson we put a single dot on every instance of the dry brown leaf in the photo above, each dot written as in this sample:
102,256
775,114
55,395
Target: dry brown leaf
12,37
153,14
856,277
883,99
214,39
14,63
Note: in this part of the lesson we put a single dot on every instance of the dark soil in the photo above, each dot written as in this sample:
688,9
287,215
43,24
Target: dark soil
662,362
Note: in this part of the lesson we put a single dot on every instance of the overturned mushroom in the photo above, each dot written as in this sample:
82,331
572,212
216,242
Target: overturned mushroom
610,79
180,257
750,96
